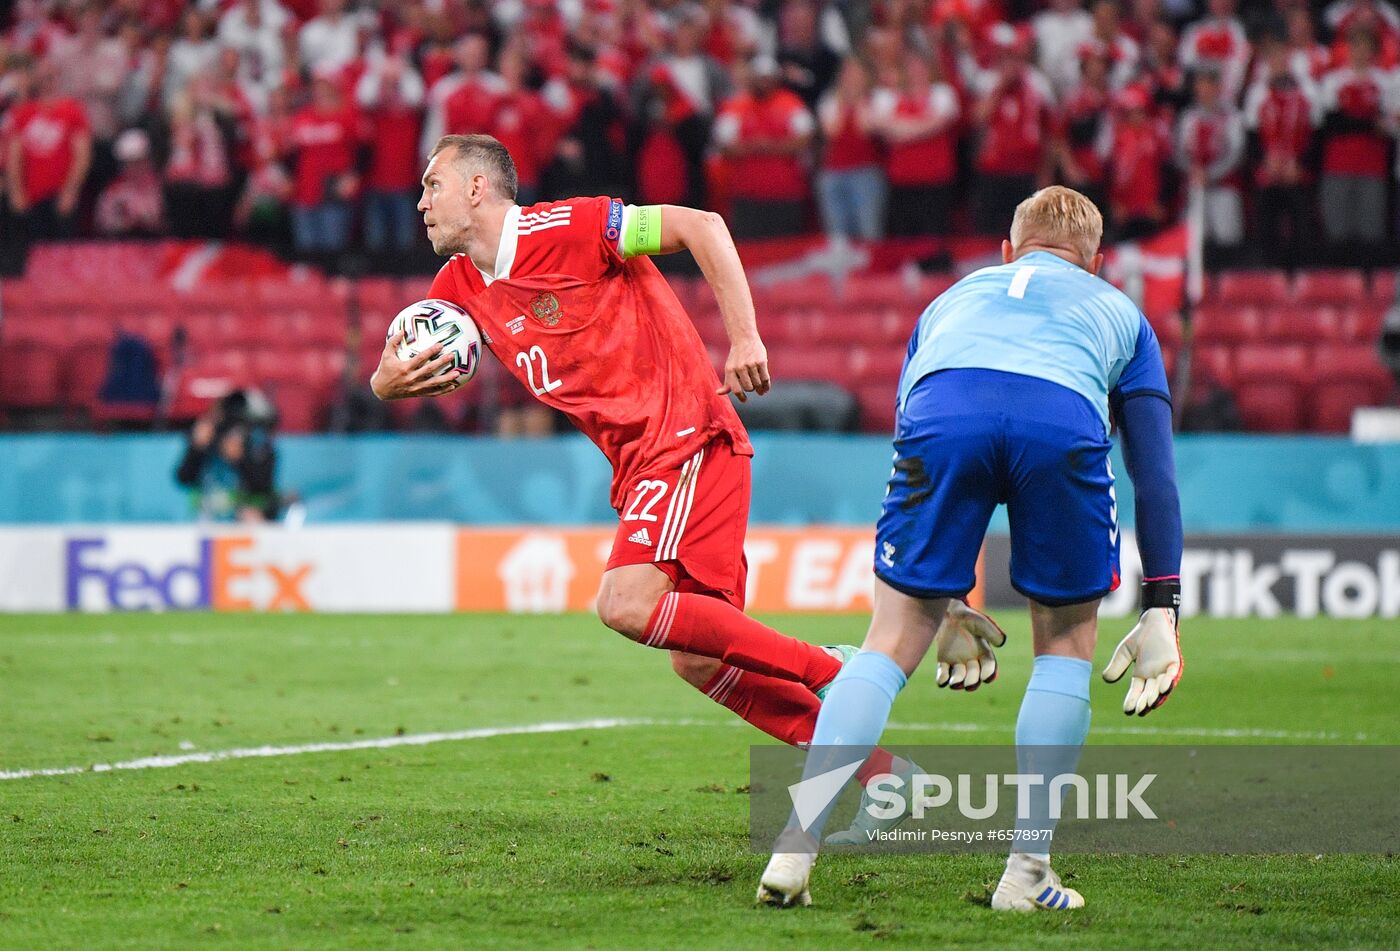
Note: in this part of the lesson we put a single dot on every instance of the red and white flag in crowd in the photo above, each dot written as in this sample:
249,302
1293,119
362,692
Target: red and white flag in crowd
1152,271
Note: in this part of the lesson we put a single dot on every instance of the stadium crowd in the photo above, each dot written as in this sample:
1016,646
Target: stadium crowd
304,123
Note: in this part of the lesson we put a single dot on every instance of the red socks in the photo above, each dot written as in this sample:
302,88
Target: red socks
710,627
783,709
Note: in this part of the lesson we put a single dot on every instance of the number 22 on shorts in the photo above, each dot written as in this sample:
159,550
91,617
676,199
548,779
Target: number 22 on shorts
649,492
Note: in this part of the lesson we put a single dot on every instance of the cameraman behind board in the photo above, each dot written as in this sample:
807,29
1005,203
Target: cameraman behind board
229,462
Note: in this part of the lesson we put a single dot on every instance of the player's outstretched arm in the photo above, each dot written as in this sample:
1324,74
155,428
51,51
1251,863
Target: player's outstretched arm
707,237
1153,646
396,379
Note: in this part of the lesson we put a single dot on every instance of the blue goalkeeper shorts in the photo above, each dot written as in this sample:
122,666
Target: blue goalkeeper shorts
968,440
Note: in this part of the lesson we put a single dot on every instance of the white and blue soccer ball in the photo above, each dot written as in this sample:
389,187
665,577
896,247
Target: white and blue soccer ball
438,321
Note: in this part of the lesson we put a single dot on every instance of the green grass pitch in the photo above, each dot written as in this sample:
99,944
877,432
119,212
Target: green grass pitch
609,838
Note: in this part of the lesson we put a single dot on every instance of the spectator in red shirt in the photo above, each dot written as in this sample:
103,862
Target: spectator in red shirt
1012,113
324,138
918,123
1210,150
766,133
851,185
462,100
48,154
520,121
1140,147
1081,124
391,94
1280,111
1353,101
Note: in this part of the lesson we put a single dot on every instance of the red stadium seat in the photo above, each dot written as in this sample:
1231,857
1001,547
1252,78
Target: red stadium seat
1337,287
299,408
931,285
1230,324
1212,365
1362,324
1357,363
875,364
1287,364
1169,364
807,363
1270,407
1345,377
1309,323
1331,405
1168,329
379,293
414,289
85,369
32,325
876,407
884,290
1251,287
1383,288
322,328
870,327
308,294
29,376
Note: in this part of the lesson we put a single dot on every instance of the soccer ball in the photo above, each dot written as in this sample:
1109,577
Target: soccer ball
438,321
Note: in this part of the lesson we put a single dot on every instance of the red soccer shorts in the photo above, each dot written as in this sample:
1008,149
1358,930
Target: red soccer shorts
690,523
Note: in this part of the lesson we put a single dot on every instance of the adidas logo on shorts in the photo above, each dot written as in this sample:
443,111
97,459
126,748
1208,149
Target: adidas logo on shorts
640,537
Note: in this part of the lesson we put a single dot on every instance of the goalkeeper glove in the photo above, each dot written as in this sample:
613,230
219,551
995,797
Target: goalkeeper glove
1153,647
964,644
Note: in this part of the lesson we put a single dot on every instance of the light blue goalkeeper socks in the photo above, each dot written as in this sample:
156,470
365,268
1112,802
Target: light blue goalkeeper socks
852,717
1050,732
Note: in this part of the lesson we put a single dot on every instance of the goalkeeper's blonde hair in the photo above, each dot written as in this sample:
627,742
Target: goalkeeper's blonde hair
1060,217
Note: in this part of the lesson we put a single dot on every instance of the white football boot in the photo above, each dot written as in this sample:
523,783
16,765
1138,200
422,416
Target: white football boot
784,881
1030,883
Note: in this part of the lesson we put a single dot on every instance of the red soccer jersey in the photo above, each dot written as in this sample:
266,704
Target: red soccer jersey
326,143
46,132
597,336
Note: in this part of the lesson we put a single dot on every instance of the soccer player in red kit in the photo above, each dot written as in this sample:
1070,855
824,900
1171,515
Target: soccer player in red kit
567,299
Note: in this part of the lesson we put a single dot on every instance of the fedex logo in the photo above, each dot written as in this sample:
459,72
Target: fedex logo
222,576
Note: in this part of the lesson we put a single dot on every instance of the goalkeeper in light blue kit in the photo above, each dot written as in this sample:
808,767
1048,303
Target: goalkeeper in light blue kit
1005,398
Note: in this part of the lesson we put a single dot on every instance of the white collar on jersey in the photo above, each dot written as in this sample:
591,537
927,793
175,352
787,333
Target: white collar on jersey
505,253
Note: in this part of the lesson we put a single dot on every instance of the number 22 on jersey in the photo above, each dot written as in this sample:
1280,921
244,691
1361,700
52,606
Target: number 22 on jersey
527,360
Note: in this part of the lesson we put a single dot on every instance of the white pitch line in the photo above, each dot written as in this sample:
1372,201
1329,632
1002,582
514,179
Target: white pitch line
1219,733
566,726
378,743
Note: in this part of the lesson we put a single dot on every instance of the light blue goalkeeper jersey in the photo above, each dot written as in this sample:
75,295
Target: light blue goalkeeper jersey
1039,316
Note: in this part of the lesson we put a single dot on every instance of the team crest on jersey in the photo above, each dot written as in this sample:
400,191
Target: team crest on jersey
516,324
545,307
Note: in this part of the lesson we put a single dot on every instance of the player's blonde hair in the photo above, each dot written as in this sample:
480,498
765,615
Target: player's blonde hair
1060,217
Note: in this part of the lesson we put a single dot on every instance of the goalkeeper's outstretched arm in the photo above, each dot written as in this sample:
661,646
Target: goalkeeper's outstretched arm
1145,425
